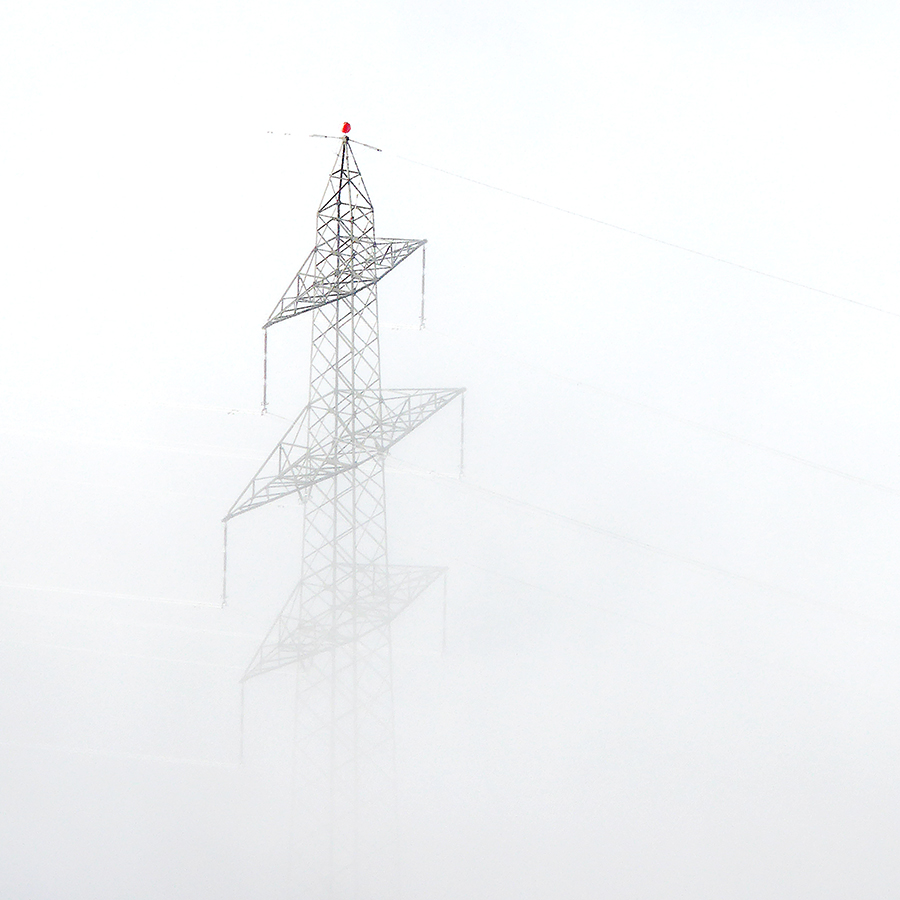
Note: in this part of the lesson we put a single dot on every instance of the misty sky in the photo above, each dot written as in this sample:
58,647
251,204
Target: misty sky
673,636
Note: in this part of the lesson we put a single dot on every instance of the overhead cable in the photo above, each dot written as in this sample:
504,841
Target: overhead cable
647,547
650,237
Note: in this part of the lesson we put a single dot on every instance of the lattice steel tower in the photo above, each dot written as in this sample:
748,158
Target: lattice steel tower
335,625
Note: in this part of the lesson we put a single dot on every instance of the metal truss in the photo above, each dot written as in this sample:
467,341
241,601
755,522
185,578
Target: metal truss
380,420
335,625
345,785
310,290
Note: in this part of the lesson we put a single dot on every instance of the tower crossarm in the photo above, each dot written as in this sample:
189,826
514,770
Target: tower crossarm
309,290
360,599
405,409
294,466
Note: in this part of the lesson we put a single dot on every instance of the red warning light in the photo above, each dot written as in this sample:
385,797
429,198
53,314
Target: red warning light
345,128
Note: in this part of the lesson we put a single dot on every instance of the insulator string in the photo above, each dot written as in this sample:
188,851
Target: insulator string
462,434
422,309
265,368
444,619
241,749
224,562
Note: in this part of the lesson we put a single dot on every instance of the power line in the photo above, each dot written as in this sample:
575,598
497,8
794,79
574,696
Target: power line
647,547
109,754
580,384
650,237
104,595
604,609
101,651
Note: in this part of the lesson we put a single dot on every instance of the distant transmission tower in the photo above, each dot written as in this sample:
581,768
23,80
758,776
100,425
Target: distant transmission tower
335,626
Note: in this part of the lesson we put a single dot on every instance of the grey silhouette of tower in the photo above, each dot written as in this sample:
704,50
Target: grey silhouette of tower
335,626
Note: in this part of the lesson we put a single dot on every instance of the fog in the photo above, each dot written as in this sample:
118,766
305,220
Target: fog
668,658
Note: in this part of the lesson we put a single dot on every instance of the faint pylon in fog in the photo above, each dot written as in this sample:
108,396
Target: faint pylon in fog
335,626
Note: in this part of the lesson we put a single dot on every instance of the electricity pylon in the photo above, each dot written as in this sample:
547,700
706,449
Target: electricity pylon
335,625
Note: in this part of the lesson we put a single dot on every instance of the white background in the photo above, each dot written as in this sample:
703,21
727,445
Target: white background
680,678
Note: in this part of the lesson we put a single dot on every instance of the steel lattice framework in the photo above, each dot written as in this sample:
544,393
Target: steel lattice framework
335,625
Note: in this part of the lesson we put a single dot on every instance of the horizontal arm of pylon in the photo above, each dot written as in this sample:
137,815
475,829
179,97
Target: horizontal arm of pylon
310,290
261,489
405,409
360,600
292,467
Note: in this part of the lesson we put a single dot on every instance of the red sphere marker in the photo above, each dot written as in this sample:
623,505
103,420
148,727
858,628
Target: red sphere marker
345,128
